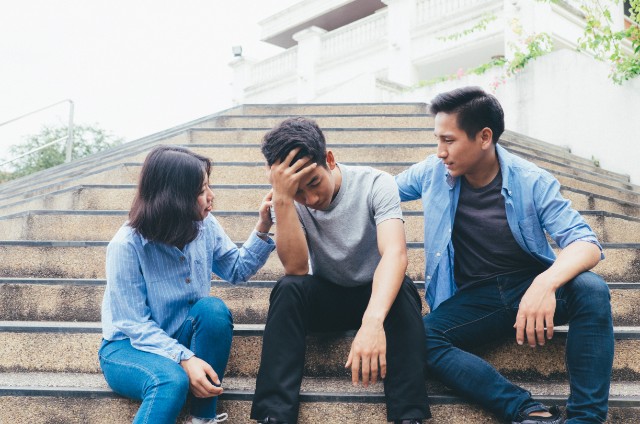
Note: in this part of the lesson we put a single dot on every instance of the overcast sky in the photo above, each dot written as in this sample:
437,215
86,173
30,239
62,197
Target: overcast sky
132,66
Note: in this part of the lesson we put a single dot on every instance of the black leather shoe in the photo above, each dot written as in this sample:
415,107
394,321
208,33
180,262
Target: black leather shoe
270,421
407,422
555,418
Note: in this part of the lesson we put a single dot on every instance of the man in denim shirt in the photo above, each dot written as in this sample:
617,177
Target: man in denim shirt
492,208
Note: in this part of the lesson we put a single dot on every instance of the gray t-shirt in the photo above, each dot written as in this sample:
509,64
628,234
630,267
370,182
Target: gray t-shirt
342,240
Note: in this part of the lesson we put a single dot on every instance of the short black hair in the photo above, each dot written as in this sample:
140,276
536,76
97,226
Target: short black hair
475,110
292,133
165,205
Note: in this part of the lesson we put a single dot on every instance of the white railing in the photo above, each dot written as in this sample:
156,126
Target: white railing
354,36
429,10
68,137
274,67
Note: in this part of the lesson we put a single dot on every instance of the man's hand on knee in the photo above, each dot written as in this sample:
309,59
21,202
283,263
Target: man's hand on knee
369,348
537,308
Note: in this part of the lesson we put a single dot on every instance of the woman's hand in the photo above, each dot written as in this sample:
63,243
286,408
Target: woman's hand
264,220
200,377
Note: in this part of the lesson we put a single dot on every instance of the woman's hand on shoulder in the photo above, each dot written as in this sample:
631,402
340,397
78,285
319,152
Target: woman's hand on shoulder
203,380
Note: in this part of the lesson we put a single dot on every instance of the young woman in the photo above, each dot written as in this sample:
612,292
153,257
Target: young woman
164,336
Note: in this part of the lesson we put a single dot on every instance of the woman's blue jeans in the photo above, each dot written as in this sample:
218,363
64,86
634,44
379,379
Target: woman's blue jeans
160,383
487,312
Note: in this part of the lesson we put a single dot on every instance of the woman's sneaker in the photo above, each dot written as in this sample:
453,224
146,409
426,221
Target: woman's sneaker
555,418
218,419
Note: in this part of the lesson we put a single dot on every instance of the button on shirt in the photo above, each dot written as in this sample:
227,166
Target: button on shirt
151,286
533,205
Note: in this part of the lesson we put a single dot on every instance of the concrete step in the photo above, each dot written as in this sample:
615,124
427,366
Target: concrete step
86,259
60,225
328,121
62,299
388,109
223,173
89,172
557,152
246,197
29,346
86,399
119,197
233,172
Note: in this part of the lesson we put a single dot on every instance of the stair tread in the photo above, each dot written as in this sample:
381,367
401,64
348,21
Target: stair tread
620,332
326,387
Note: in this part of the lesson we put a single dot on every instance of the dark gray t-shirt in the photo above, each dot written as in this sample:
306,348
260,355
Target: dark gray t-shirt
482,240
342,241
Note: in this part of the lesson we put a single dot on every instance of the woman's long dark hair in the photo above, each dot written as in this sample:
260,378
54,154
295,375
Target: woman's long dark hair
165,206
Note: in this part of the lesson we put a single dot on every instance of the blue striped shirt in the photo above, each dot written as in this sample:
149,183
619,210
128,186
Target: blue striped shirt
151,286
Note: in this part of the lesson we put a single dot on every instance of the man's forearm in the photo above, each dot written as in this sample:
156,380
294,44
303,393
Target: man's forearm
291,243
387,281
578,257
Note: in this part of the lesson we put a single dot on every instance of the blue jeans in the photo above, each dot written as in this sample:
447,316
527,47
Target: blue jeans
160,383
487,311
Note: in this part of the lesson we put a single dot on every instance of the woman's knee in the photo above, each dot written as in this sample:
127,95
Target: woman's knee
214,314
170,382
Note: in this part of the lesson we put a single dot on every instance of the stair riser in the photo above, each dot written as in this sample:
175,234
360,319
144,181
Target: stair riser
89,261
121,411
393,121
42,302
129,174
239,199
330,109
102,227
223,174
325,357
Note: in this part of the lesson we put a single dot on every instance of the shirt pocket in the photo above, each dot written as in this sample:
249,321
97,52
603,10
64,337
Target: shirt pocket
532,233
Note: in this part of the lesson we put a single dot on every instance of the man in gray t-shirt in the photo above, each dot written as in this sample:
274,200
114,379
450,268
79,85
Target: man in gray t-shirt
346,222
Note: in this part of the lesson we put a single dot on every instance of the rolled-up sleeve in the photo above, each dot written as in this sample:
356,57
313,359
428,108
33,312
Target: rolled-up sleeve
237,264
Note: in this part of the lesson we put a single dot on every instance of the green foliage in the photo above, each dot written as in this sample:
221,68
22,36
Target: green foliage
481,25
478,70
535,46
608,45
87,140
598,38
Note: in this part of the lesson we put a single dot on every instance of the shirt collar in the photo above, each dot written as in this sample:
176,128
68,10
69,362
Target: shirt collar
505,161
144,241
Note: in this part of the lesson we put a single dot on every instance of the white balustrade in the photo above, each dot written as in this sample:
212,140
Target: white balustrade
429,10
354,36
274,67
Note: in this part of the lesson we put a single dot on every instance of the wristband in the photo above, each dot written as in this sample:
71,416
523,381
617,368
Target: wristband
261,234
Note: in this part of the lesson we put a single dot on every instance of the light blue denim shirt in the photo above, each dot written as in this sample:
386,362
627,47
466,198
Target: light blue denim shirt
533,205
151,286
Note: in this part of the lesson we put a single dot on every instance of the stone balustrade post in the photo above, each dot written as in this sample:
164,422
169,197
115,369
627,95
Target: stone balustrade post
400,20
241,67
309,49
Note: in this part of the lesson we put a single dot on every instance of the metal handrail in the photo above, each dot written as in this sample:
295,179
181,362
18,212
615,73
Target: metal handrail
34,150
69,137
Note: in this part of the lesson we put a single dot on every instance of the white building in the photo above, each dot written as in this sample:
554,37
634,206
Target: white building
384,51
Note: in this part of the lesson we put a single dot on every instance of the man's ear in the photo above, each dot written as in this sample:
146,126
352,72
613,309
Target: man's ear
331,161
267,171
486,137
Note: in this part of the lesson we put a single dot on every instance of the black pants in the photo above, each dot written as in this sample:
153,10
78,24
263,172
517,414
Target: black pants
299,304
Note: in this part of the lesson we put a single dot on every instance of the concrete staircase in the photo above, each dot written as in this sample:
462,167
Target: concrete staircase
55,226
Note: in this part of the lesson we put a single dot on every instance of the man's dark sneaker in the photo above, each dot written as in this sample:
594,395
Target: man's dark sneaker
555,418
407,422
270,421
